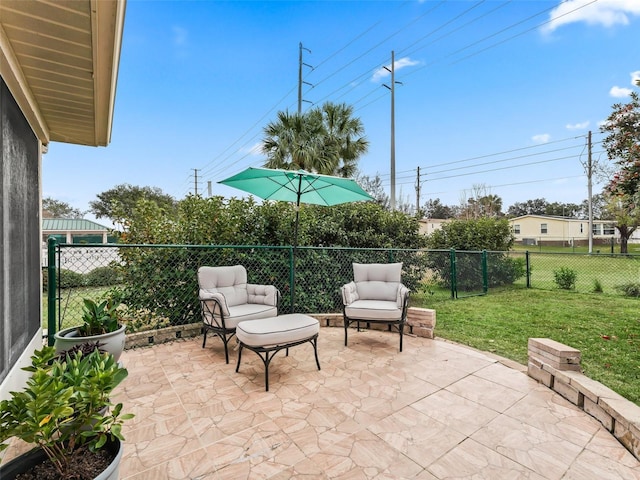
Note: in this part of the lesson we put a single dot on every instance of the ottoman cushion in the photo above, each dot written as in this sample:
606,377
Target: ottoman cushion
280,330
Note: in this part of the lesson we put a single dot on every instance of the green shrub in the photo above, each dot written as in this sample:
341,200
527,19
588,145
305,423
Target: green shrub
103,277
66,279
597,286
565,278
631,289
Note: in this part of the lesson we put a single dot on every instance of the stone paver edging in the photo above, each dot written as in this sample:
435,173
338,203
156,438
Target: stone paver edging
558,367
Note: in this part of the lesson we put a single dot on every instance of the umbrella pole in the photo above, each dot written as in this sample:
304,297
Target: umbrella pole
295,247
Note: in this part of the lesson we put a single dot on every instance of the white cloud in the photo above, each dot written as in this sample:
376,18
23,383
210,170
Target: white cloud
603,12
382,72
541,138
619,92
635,77
578,126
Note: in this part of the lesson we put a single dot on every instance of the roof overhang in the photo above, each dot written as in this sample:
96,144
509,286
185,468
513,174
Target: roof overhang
60,61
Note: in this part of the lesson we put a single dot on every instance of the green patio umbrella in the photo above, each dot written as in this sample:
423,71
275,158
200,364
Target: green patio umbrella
297,186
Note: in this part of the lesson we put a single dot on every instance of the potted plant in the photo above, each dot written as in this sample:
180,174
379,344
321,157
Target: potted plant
100,324
65,411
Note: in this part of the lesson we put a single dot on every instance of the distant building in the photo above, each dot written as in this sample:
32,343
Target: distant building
552,230
430,225
78,230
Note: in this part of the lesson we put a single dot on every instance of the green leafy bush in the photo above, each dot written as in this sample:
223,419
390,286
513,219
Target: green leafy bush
565,278
597,286
70,279
66,279
468,238
103,277
631,289
61,408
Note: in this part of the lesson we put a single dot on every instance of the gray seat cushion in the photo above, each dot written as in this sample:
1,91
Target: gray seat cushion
373,310
249,311
282,330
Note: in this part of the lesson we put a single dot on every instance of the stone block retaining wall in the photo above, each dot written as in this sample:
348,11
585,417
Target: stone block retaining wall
558,367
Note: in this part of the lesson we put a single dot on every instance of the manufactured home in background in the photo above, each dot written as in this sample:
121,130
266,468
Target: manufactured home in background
562,231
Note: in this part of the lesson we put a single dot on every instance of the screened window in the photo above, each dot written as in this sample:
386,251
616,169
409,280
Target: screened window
516,229
608,229
543,228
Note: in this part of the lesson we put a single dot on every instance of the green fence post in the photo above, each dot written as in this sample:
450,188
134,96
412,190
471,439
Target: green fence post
528,266
454,286
292,277
485,275
52,287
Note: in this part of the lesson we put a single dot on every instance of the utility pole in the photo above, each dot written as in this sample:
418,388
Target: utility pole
300,81
589,193
393,128
209,189
195,180
418,194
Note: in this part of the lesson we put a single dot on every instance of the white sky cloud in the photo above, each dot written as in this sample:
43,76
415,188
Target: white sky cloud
606,13
382,72
619,92
635,76
541,138
578,126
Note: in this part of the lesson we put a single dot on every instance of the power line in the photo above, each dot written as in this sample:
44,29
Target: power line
220,164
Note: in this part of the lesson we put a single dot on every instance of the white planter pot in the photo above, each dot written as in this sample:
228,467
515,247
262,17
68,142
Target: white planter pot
112,342
22,463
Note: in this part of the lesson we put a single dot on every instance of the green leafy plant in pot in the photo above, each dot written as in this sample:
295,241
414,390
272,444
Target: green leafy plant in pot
101,323
65,411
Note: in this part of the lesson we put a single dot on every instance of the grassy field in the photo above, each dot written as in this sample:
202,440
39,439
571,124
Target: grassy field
609,271
71,304
605,329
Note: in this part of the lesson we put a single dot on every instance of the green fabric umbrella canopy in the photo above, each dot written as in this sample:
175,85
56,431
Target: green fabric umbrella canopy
297,186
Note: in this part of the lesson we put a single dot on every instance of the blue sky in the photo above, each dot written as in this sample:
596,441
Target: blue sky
495,96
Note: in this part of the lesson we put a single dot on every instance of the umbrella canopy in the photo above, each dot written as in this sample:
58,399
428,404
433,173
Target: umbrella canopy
297,186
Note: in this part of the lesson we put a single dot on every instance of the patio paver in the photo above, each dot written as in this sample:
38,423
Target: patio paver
435,411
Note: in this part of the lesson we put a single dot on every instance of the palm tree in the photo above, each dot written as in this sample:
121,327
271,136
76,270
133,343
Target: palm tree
325,140
345,134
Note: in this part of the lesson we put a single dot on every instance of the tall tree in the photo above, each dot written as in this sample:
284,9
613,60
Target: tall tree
530,207
435,209
623,147
344,134
58,209
326,140
120,201
627,216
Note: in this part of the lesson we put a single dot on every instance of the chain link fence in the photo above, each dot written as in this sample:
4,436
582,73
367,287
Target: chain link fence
158,283
608,274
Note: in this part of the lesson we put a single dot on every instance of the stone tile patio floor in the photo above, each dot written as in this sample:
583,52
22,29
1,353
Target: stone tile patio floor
435,411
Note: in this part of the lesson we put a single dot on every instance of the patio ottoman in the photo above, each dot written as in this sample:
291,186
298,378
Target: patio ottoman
267,336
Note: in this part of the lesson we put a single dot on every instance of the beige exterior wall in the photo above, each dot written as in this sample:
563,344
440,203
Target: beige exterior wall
543,228
430,225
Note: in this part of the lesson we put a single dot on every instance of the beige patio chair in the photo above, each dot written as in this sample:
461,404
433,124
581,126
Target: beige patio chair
227,299
376,295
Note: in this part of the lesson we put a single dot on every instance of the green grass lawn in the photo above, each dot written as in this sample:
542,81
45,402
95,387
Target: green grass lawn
605,329
71,304
609,271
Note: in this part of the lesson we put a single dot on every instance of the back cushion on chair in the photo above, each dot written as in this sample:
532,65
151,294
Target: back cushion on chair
377,281
230,281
